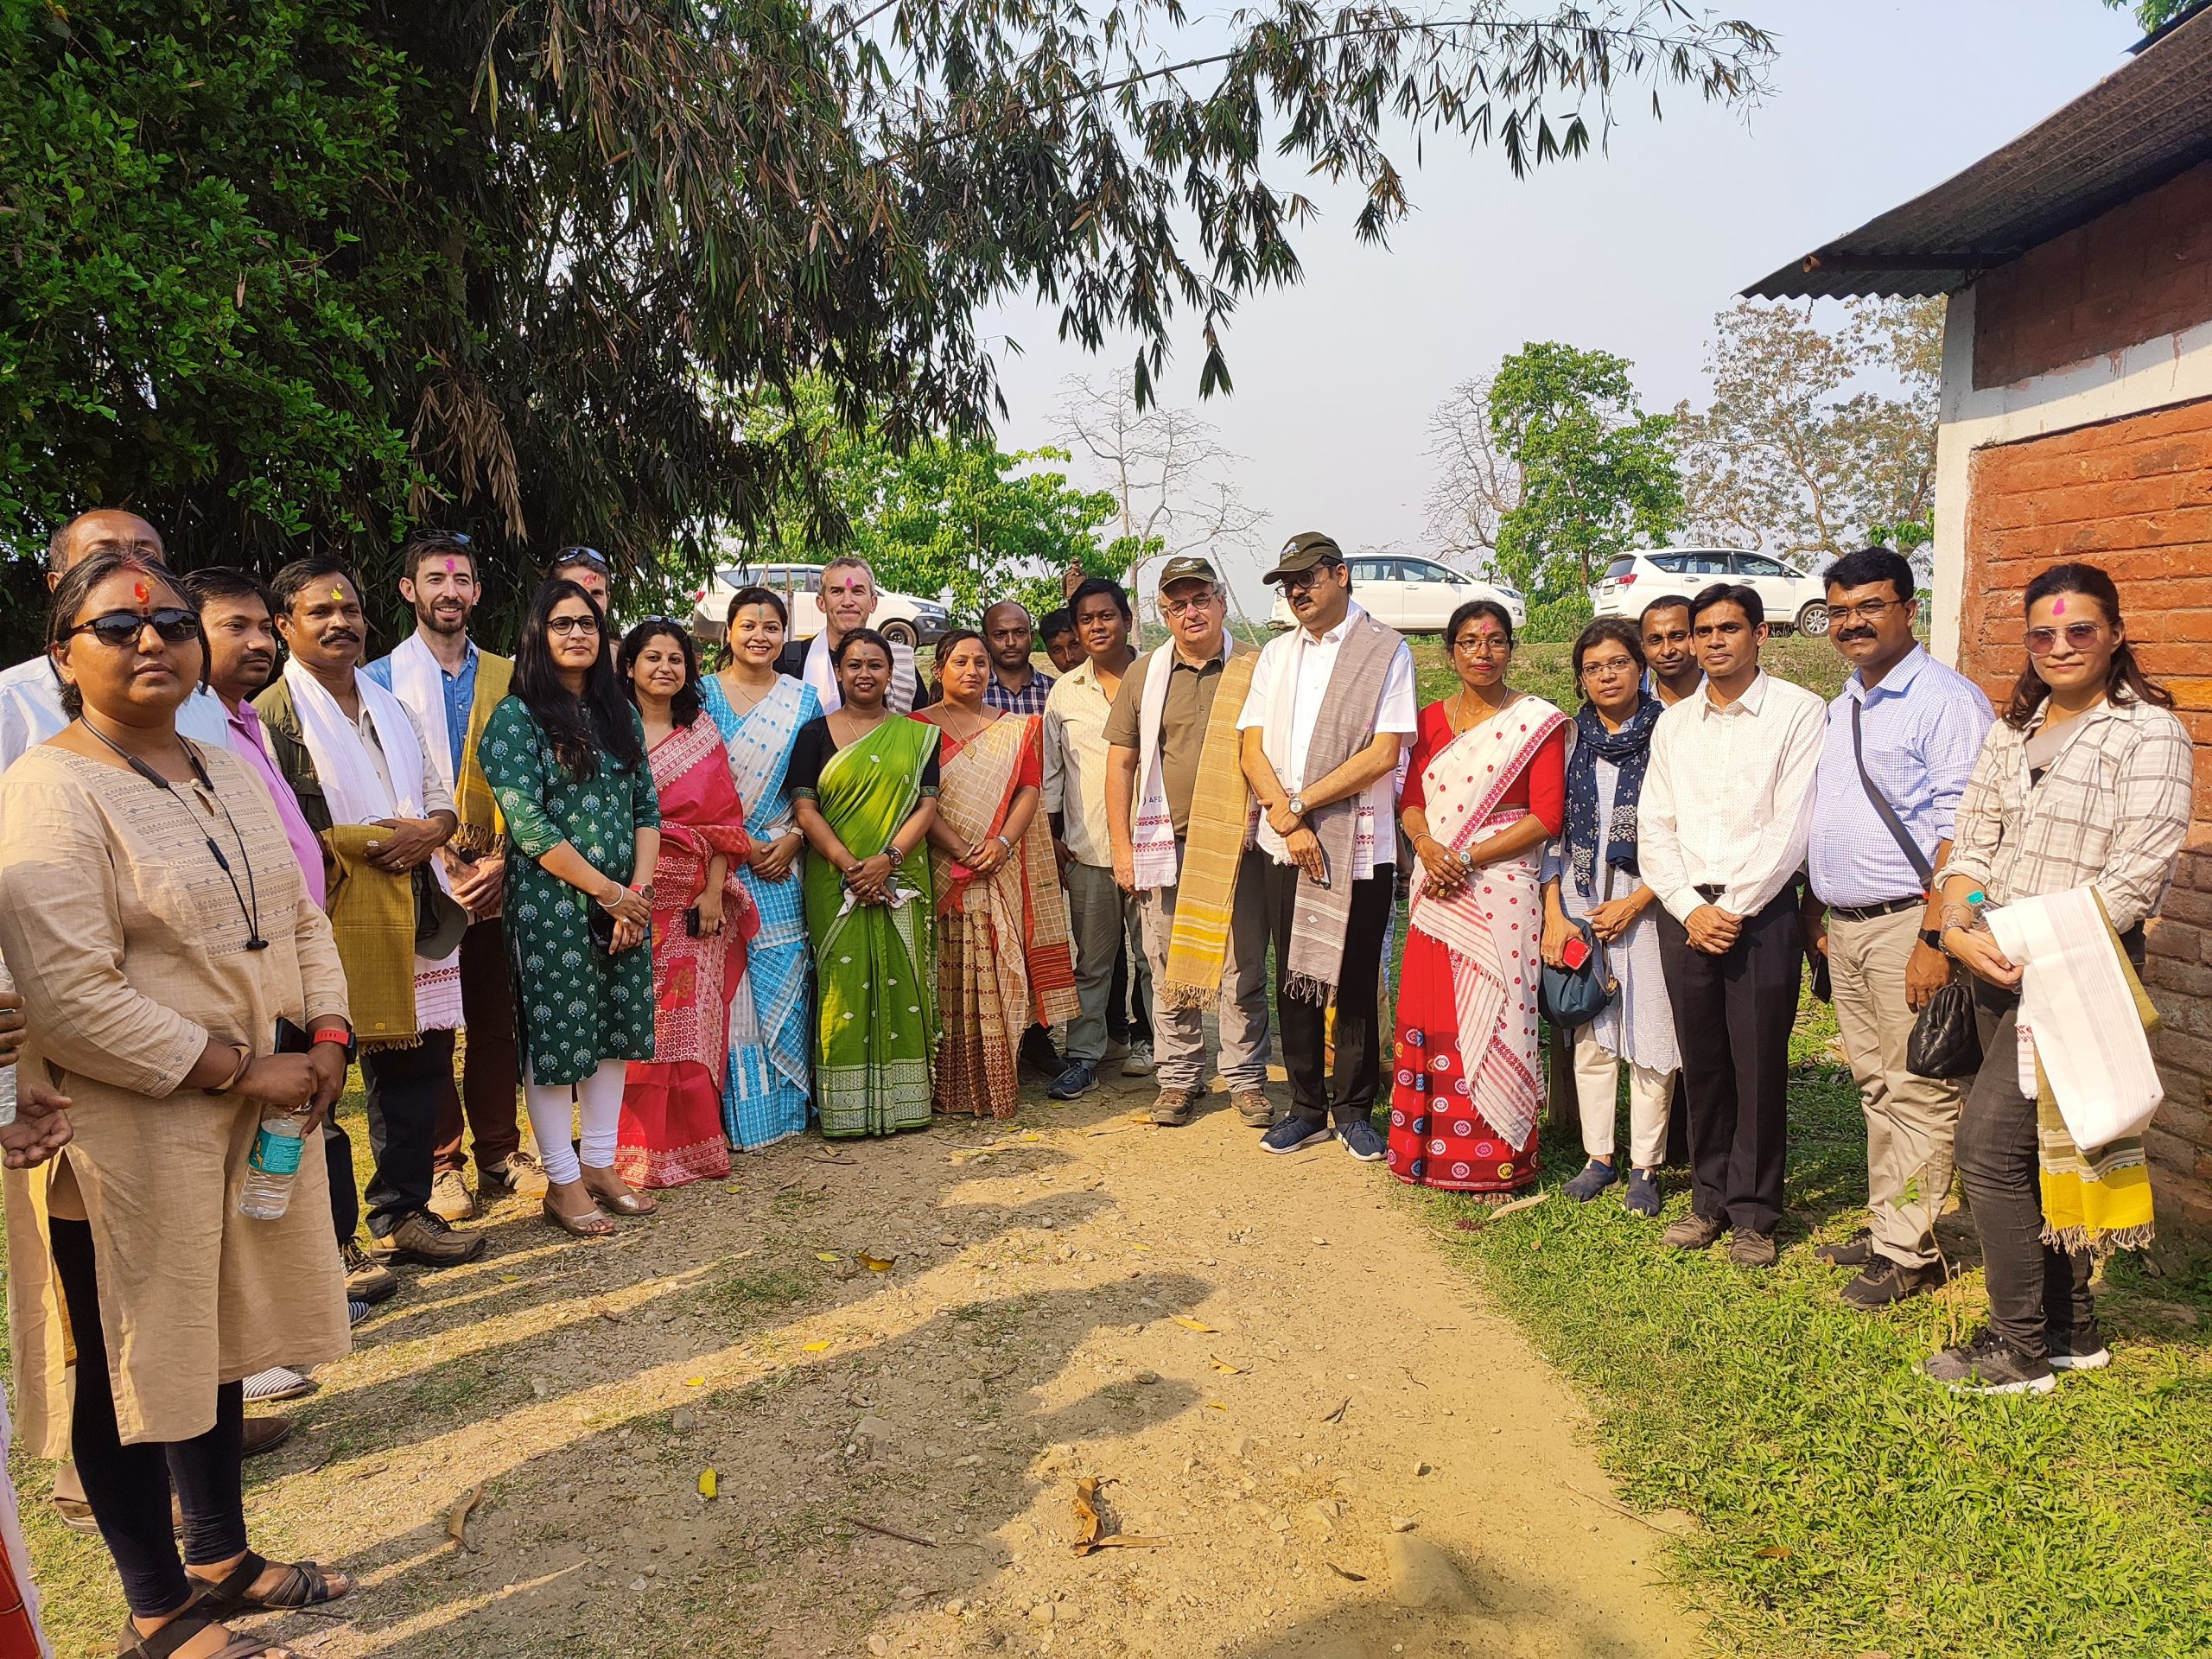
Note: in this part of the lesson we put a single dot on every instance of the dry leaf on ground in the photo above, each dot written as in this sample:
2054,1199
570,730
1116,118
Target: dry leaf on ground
1199,1325
457,1516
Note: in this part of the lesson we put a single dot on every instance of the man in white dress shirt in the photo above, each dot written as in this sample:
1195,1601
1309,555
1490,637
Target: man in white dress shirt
1331,707
1721,829
30,696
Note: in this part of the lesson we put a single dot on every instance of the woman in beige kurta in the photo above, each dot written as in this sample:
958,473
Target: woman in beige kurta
145,991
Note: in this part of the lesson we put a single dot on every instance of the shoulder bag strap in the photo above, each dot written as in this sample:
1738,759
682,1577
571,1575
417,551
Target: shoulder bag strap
1910,848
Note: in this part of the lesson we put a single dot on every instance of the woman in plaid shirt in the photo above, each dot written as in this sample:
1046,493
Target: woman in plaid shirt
2085,782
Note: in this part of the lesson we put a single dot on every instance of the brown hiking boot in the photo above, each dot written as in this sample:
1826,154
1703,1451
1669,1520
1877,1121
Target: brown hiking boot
428,1242
1254,1107
1171,1110
1693,1232
366,1278
521,1176
450,1199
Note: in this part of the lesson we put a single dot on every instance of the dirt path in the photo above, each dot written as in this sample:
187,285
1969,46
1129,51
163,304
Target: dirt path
1046,1317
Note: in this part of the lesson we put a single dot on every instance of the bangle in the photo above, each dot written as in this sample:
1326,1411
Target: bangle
610,904
245,1059
337,1035
1004,842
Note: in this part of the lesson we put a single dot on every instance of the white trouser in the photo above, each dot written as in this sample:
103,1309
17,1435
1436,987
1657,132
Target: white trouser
1596,1075
595,1104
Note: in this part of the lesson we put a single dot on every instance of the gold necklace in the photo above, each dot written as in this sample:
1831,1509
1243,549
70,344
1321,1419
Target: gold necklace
1466,722
959,737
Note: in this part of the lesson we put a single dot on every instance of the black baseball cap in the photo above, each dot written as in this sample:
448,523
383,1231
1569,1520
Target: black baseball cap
1302,552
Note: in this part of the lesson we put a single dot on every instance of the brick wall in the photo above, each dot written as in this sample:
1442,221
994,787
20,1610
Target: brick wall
2141,271
2133,496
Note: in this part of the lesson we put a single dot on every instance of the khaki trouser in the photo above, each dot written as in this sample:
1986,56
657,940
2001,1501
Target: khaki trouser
1597,1084
1910,1121
1178,1035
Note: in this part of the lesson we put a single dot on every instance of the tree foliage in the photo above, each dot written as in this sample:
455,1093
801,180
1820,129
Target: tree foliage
293,273
1597,474
2153,15
1817,439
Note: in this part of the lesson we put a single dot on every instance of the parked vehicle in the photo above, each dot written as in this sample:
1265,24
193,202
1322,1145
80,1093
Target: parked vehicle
1414,595
898,617
1794,602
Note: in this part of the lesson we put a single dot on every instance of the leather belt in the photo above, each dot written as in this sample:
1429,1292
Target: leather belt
1709,891
1887,907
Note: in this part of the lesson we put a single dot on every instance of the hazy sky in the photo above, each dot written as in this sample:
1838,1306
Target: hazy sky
1632,251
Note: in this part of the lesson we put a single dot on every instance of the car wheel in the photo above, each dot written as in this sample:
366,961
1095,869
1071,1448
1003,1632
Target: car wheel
902,633
1813,619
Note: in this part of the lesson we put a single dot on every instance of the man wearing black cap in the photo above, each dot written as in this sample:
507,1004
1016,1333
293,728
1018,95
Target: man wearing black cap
1330,707
1187,854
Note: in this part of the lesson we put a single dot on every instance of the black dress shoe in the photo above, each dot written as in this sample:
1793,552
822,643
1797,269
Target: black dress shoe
1856,1251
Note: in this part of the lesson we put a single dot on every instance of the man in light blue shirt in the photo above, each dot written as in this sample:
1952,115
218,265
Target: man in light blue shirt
1906,728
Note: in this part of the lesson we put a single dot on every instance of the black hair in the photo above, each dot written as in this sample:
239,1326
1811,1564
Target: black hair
580,728
300,575
1091,587
682,707
1868,566
1618,629
436,543
1468,612
1664,602
70,593
2125,680
221,582
944,644
758,596
1054,624
862,636
1745,599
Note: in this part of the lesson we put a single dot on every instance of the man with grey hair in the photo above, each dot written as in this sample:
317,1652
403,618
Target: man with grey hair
847,601
30,692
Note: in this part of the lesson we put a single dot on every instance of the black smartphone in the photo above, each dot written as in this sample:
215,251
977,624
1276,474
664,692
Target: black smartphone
291,1037
692,923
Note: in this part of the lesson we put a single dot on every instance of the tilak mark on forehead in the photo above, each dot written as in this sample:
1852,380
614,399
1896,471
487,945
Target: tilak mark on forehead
140,591
337,593
448,566
2058,607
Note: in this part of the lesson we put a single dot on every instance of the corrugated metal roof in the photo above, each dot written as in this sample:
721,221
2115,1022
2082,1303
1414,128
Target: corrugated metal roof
2133,130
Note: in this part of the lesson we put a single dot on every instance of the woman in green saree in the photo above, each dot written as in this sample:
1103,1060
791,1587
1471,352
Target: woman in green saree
863,784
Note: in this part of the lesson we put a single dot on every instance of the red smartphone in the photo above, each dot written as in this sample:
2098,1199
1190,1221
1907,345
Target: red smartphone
1575,952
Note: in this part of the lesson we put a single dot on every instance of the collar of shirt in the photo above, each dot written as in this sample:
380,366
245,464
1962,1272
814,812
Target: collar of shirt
1176,659
1896,683
1751,703
1334,636
467,661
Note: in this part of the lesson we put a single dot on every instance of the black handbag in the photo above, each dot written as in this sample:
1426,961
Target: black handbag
1571,998
1946,1041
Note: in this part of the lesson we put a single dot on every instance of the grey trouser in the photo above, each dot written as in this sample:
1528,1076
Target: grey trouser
1911,1121
1103,920
1178,1035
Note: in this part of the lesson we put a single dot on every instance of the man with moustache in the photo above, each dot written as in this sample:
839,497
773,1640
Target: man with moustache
1201,885
847,601
30,692
451,688
1017,687
1670,653
1721,827
367,784
1901,743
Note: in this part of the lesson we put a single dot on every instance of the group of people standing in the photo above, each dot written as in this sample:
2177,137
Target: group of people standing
682,913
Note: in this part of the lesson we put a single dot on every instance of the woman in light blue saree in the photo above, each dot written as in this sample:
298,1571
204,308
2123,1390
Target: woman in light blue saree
759,712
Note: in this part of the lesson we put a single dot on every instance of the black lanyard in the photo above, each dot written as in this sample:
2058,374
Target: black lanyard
251,913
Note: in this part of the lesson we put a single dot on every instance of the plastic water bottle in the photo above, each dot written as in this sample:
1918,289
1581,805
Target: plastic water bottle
8,1071
266,1192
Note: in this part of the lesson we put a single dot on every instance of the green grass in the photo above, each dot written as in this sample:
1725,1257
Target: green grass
1848,1505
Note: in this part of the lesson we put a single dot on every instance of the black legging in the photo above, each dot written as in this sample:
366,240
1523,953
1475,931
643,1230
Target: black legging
128,1487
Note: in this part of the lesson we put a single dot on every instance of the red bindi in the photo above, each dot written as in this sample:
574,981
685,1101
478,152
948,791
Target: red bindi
140,591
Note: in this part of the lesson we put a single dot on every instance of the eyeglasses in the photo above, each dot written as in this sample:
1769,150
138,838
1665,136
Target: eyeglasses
1611,665
568,625
2080,636
1183,607
590,555
120,628
1872,611
1486,645
1305,579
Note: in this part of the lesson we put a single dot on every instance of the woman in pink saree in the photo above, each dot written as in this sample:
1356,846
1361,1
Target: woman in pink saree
671,1128
1486,789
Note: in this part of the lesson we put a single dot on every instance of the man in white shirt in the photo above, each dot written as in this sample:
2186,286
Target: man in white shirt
847,599
1330,707
30,696
1722,829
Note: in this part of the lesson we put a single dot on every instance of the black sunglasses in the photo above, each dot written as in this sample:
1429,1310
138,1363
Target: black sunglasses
590,555
120,628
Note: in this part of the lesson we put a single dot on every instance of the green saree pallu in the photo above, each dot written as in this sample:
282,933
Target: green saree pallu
876,1025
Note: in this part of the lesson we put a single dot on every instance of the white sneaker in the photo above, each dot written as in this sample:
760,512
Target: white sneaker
278,1382
1138,1062
1117,1048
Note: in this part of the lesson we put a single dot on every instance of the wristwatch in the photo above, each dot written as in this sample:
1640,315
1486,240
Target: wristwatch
1297,805
1932,938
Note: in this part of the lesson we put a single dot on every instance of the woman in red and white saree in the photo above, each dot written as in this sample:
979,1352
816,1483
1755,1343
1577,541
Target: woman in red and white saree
672,1129
1004,955
1486,789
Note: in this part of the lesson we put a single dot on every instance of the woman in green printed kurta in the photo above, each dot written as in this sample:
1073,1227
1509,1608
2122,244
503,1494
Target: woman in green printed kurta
565,756
863,784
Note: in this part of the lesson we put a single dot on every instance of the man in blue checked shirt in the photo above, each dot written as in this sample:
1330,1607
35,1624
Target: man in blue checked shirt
1900,745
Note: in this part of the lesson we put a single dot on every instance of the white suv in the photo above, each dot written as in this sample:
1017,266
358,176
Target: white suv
900,618
1414,595
1794,600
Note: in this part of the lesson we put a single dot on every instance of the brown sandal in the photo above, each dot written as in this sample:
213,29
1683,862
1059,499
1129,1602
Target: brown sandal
304,1585
593,1223
623,1203
193,1621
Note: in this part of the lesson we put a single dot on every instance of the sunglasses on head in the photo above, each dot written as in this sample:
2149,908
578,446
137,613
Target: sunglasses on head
590,555
118,629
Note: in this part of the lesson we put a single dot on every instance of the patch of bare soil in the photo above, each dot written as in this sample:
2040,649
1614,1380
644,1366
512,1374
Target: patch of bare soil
1327,1444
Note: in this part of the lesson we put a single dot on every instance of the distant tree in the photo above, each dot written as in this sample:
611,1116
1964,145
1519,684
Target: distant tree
2153,15
1817,439
1597,474
1171,476
1476,485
